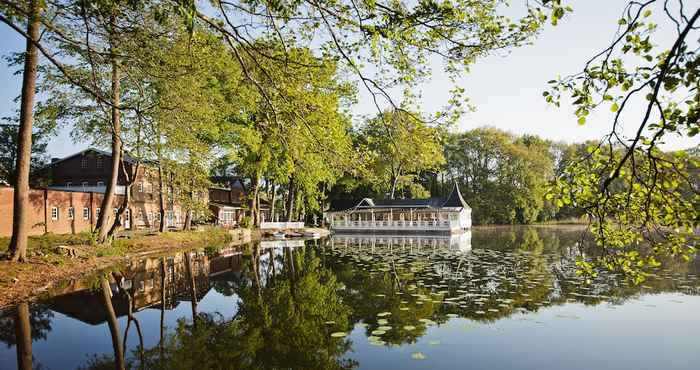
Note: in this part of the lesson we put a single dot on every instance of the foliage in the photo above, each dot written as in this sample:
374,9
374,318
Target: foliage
502,176
643,202
398,146
8,152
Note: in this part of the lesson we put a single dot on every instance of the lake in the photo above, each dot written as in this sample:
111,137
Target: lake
494,298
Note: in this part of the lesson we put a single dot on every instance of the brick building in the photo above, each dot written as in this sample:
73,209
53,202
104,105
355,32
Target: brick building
77,183
228,201
54,211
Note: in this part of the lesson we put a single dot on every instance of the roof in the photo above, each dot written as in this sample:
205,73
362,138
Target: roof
126,158
454,200
228,181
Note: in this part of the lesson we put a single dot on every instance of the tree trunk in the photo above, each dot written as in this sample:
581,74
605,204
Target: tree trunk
187,225
273,200
20,213
103,222
193,287
290,201
23,335
161,197
161,342
253,200
113,324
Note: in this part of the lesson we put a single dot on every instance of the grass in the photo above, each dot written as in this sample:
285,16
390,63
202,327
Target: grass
45,243
44,246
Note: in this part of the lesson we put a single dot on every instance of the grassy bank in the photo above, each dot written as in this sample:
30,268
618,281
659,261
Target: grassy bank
54,258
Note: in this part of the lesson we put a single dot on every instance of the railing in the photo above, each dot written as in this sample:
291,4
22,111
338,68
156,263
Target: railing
396,225
281,225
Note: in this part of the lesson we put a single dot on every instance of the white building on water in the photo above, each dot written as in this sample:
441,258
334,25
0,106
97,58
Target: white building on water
450,215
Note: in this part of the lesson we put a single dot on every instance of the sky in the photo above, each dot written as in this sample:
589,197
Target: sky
505,89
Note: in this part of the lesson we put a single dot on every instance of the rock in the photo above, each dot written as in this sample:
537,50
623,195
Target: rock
68,251
15,280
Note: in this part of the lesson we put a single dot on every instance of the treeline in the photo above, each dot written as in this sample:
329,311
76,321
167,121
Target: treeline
504,177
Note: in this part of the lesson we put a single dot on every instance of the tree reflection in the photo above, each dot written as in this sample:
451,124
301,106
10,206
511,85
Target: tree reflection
283,321
22,325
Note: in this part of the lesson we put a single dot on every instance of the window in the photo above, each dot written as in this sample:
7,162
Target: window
99,162
97,213
68,184
84,184
86,213
54,213
140,187
84,162
71,213
100,183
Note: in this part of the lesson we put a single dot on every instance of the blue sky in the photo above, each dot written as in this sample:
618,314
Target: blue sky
506,89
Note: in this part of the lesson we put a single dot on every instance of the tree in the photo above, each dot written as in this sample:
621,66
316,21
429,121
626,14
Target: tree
400,145
642,202
9,135
503,177
20,211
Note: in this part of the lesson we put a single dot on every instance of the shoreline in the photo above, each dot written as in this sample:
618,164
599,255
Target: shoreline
49,267
50,263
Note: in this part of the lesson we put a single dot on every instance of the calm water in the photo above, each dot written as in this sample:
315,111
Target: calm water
492,299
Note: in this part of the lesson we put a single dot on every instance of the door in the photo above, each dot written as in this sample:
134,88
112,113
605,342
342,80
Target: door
127,219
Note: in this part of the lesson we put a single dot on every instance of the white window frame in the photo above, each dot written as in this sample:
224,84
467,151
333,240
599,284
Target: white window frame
86,213
71,213
97,213
85,184
100,183
54,213
140,187
68,184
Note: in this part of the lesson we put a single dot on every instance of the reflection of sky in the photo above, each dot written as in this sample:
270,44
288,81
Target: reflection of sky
70,342
572,336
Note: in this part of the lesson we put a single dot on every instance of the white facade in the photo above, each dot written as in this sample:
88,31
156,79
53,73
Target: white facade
449,215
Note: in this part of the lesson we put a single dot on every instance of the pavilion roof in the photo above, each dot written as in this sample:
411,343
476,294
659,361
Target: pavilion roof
454,200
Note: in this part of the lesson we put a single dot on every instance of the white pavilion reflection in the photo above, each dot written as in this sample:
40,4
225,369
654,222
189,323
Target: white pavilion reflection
455,242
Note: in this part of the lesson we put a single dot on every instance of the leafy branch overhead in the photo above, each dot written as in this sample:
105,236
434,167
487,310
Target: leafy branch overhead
643,202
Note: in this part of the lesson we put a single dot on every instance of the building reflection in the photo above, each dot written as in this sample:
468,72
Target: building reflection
159,283
458,242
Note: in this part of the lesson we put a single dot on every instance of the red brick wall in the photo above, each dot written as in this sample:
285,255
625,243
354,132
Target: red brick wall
42,201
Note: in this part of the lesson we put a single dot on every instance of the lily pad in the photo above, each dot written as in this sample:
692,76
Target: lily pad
339,334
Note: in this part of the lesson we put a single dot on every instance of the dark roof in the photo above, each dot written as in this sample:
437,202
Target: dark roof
454,200
127,158
229,181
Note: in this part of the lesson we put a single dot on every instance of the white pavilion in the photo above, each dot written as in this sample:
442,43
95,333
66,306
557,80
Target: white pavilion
451,215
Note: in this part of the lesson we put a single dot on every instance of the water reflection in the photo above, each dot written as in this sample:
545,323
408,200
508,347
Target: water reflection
324,304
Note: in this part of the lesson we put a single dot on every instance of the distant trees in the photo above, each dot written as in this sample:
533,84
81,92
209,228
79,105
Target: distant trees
9,136
502,176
